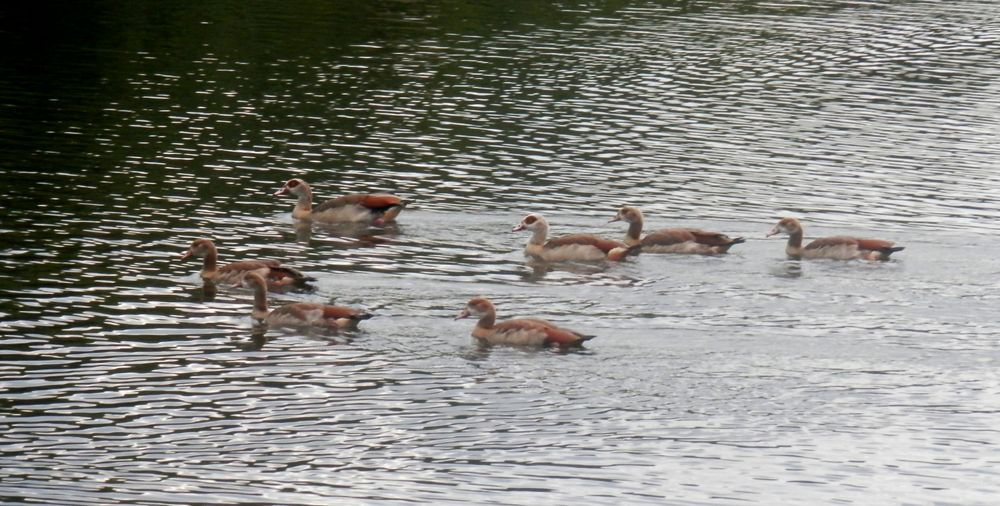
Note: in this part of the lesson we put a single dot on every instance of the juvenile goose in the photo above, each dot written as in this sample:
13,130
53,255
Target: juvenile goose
520,332
673,240
374,208
834,248
583,247
301,315
272,270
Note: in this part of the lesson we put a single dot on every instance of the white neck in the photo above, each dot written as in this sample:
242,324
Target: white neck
541,231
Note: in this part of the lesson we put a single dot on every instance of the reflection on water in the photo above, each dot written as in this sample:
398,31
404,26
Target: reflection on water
569,273
129,132
788,269
205,293
346,235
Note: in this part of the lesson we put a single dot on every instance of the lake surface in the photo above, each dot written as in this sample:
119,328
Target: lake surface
128,130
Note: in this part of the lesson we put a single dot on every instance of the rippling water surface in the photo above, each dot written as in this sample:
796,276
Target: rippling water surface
129,130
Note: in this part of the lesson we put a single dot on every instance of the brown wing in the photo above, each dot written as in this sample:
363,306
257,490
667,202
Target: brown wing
283,273
562,336
301,311
553,334
375,202
276,271
875,244
381,201
296,310
249,265
668,236
338,312
600,243
520,324
829,242
710,238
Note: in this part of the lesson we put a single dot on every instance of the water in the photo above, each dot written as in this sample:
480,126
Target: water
128,131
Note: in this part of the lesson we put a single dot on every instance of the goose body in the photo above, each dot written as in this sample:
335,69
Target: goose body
573,247
518,332
233,273
673,240
373,208
301,315
833,248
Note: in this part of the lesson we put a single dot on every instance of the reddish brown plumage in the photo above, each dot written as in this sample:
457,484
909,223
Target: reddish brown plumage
876,244
379,202
334,312
712,238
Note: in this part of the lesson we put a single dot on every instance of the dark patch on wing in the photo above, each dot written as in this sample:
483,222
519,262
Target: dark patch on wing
876,244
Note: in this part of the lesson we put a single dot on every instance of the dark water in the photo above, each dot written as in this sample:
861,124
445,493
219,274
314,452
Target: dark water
127,130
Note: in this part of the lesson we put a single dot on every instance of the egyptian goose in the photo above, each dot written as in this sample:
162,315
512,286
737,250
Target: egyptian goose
301,315
278,275
582,247
834,248
520,332
375,208
673,240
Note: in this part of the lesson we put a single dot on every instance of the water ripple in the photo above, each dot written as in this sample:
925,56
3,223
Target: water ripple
128,381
